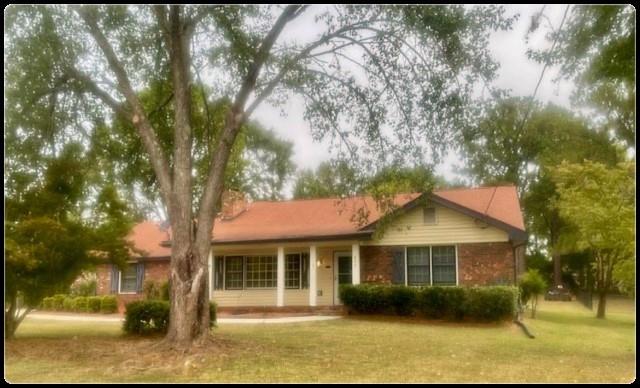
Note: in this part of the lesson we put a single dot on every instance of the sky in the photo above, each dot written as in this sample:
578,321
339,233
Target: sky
517,73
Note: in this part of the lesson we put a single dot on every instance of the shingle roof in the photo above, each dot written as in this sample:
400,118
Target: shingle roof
334,217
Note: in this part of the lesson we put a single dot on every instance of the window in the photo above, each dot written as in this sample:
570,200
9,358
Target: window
233,273
261,271
444,265
292,271
430,216
129,279
418,266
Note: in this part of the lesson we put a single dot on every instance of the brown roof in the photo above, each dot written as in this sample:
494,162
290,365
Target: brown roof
338,218
147,237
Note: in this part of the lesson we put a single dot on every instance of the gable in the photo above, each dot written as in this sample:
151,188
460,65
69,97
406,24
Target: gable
451,227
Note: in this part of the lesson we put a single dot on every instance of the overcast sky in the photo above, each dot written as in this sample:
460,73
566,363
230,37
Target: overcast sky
517,73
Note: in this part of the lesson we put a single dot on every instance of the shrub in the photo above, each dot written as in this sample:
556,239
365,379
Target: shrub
165,291
401,299
68,304
58,302
491,303
84,287
152,291
451,303
81,303
93,304
109,304
47,303
364,299
532,285
146,317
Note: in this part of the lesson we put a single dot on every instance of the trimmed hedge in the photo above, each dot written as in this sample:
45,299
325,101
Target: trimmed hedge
488,304
80,304
68,304
58,302
47,303
144,317
93,304
108,304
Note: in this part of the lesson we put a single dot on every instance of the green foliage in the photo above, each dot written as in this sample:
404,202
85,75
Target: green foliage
146,317
493,303
596,49
532,285
599,202
84,287
47,303
624,274
81,304
330,179
165,291
108,304
152,290
94,304
58,302
69,304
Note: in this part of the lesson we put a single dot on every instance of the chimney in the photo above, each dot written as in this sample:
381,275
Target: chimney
233,203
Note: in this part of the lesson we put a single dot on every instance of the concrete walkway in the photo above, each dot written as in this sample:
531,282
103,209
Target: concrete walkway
112,318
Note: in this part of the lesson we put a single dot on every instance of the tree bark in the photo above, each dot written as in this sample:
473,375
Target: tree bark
557,269
602,304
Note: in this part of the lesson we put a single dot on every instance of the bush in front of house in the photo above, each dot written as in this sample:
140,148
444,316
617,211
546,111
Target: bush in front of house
144,317
109,304
68,304
58,302
93,304
80,304
47,303
165,291
532,285
493,303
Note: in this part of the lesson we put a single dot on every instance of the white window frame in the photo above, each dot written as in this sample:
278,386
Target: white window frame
406,266
120,280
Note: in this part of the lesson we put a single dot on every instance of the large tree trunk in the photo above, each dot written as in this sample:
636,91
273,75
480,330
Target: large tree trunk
602,304
10,324
189,316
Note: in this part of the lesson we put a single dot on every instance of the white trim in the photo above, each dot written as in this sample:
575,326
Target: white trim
457,270
406,270
431,265
280,278
313,280
355,264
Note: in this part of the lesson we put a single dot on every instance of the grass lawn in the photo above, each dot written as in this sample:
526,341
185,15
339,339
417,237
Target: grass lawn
570,346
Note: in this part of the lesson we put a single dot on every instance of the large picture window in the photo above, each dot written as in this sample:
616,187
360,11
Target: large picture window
435,265
261,271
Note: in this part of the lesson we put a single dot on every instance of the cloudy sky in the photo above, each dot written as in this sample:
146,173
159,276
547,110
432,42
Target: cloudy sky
517,73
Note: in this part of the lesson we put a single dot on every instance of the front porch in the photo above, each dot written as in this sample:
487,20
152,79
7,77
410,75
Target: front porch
294,276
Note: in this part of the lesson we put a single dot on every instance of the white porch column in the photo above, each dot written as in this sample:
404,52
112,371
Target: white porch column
313,281
355,263
210,273
280,283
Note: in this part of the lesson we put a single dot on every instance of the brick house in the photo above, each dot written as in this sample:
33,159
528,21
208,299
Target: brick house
287,254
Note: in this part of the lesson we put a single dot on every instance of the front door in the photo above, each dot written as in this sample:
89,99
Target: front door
342,273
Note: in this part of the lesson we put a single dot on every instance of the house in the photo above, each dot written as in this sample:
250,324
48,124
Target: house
296,253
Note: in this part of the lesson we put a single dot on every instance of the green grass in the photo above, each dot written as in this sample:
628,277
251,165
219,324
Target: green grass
570,346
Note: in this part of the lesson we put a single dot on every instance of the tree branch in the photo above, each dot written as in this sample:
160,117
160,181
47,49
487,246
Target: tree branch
138,117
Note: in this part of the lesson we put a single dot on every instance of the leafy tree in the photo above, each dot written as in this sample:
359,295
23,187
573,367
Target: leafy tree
47,243
596,48
532,285
330,179
599,201
76,61
500,149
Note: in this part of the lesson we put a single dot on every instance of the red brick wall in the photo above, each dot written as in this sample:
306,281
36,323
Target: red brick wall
485,264
376,264
478,264
157,271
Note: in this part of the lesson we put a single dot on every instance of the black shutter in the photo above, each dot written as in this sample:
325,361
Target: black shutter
398,265
218,273
139,276
115,274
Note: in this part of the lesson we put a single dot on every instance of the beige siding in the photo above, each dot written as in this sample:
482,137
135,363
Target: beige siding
296,297
451,227
244,298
